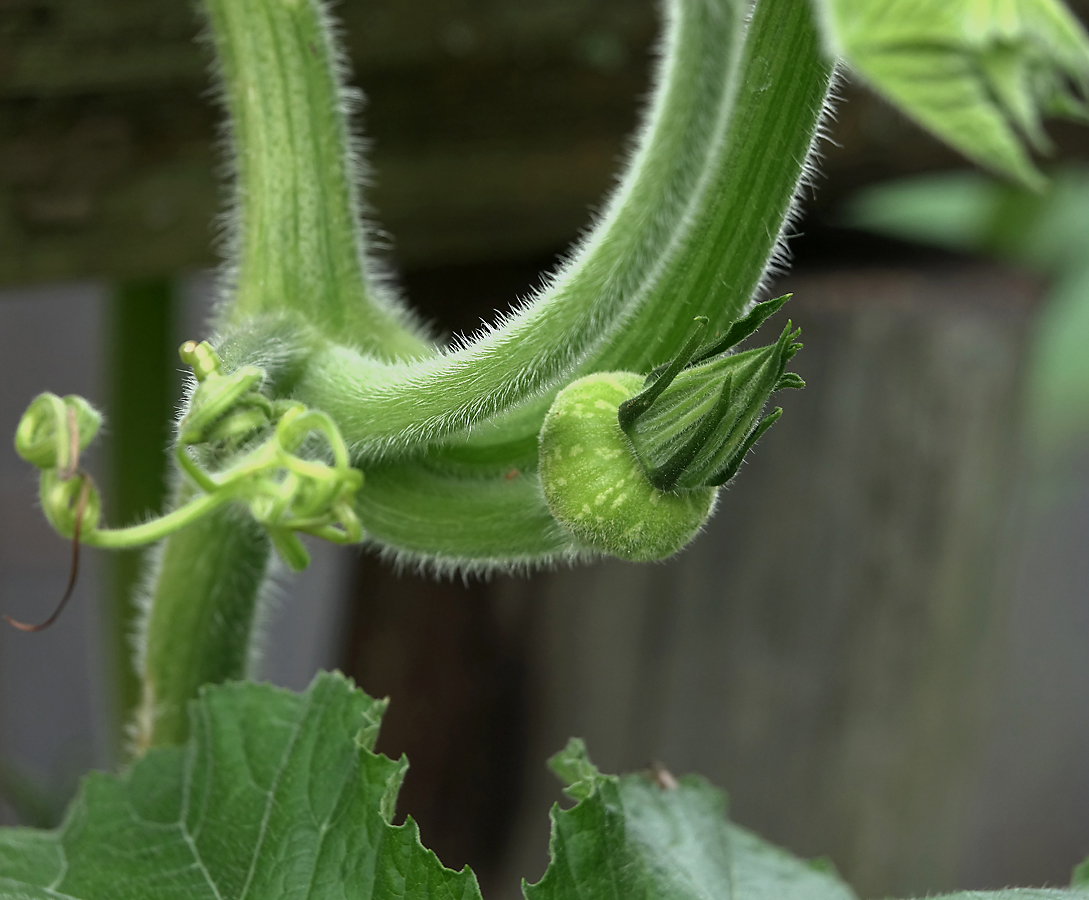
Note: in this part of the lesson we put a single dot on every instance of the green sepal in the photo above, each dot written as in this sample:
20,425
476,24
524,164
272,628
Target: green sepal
660,379
692,354
44,436
742,328
701,423
730,469
790,381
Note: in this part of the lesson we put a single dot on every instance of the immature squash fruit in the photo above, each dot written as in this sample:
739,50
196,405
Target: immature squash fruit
631,466
594,484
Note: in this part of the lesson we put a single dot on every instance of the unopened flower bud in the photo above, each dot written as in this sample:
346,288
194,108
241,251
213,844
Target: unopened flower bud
631,466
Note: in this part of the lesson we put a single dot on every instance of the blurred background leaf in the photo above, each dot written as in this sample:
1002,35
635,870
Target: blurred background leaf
979,74
1047,232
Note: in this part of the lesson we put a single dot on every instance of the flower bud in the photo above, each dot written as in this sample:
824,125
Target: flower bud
699,427
631,467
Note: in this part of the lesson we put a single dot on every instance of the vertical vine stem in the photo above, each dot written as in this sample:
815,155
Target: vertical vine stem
295,233
201,617
298,253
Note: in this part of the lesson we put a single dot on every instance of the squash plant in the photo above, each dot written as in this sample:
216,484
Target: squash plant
601,416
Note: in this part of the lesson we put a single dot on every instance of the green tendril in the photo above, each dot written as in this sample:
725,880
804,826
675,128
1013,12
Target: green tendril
273,454
53,431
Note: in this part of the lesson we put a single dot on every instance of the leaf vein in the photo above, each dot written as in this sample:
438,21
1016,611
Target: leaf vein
271,793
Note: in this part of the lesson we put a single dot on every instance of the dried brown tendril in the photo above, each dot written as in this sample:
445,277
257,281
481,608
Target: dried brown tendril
73,575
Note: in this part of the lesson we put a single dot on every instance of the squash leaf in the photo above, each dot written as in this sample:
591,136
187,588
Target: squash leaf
651,836
275,795
279,795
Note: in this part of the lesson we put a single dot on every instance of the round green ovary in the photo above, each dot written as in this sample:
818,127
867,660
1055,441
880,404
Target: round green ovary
594,485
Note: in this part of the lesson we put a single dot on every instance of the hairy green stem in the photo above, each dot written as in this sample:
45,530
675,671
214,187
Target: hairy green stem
379,405
158,528
202,612
297,236
474,524
736,216
671,247
747,196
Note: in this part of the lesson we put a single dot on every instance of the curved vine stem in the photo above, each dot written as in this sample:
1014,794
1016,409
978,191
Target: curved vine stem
382,405
696,239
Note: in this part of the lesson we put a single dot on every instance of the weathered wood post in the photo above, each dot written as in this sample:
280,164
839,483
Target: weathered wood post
827,650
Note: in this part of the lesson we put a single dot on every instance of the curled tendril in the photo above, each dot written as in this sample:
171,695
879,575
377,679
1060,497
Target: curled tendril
54,430
71,504
51,435
286,492
287,463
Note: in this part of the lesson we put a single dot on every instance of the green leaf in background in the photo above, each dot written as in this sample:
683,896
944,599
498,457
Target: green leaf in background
278,795
644,837
1081,875
1046,231
979,74
965,210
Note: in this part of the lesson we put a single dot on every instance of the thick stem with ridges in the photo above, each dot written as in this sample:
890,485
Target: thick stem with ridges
621,303
784,82
297,236
380,405
202,611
